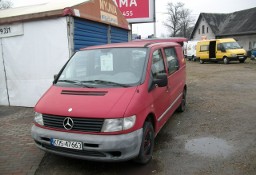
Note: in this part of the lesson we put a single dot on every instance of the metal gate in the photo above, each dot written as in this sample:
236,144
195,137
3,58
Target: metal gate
118,35
89,33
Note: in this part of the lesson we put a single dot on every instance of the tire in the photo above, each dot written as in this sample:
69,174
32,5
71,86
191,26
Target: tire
194,59
201,61
147,144
182,106
226,60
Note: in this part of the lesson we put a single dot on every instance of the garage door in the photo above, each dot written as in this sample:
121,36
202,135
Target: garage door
89,33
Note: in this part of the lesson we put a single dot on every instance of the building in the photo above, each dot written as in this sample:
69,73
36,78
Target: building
240,25
36,41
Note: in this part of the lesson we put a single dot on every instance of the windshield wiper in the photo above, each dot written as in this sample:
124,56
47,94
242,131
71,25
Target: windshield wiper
106,83
75,82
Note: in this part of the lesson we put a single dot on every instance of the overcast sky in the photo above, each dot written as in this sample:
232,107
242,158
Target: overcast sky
196,6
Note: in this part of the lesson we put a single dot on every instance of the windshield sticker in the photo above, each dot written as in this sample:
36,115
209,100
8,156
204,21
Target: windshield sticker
106,62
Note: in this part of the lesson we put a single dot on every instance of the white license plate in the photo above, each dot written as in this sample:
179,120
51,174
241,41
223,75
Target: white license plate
241,57
67,144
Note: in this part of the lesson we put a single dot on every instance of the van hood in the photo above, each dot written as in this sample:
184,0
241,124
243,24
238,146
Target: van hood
237,51
86,102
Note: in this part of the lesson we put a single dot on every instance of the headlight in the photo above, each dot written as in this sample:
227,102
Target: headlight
39,118
112,125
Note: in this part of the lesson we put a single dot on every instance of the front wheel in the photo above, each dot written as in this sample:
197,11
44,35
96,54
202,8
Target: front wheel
201,61
182,106
147,144
226,60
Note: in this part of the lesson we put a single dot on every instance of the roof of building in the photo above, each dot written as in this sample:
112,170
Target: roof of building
237,23
87,9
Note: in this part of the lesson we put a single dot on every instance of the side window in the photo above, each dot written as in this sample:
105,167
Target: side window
157,63
172,60
204,48
219,47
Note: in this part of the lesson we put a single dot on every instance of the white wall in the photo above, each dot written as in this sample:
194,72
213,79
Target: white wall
3,90
32,59
245,40
209,35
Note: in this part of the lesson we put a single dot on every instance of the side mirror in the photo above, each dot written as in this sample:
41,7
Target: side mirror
55,78
160,80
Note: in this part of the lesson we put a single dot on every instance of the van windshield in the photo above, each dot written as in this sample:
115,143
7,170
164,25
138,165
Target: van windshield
231,45
112,67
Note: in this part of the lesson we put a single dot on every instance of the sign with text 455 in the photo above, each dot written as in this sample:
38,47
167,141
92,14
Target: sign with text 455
137,11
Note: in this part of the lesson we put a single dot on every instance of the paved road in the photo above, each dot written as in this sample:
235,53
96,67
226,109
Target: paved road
18,154
215,135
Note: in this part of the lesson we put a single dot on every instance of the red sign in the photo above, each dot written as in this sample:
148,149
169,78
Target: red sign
136,11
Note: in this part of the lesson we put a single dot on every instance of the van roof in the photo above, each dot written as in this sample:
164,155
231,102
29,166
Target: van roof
138,43
131,44
220,39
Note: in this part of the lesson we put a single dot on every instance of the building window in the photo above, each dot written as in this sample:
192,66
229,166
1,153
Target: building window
207,29
254,45
198,31
202,29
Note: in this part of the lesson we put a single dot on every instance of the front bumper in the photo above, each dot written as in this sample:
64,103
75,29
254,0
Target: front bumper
237,58
108,148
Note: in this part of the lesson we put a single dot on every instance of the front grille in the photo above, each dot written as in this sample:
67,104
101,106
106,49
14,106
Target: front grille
72,151
80,124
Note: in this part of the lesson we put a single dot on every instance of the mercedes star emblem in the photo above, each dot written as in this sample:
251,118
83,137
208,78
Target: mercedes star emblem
68,123
70,109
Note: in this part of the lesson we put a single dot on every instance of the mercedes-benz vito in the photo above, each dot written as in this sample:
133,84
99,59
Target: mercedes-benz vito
109,102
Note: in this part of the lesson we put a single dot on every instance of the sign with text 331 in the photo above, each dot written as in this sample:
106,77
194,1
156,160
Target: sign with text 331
11,30
137,11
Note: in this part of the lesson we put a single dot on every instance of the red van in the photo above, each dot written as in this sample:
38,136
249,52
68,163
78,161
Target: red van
109,102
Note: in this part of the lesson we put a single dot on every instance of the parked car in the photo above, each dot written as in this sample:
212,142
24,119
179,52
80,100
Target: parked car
190,50
109,102
225,50
253,53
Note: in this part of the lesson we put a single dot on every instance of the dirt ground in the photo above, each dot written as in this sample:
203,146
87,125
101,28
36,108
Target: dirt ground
215,135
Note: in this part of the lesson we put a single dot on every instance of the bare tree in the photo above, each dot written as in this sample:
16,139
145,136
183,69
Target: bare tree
179,19
5,4
185,21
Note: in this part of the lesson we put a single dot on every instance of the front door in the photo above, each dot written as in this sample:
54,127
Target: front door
160,95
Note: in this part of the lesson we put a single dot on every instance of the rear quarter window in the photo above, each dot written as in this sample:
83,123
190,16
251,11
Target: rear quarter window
204,48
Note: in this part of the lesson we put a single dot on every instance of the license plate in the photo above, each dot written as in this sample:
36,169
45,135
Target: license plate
67,144
241,57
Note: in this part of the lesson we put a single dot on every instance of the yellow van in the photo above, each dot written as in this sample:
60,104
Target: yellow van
225,50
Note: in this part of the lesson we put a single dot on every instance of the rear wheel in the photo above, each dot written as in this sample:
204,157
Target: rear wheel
182,106
201,61
147,144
